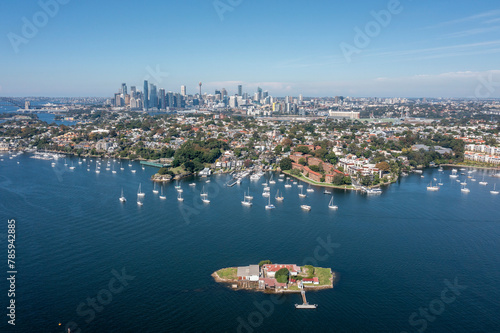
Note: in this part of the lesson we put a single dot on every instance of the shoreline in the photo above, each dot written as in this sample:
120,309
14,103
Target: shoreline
312,182
230,283
471,166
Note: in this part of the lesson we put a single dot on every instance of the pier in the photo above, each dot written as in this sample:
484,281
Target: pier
305,305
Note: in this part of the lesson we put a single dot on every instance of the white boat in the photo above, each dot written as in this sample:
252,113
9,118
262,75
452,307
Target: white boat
97,169
80,162
305,207
163,197
431,187
140,194
180,190
208,181
287,185
72,167
255,176
180,198
483,182
177,186
139,203
453,173
246,202
278,197
205,199
133,171
301,194
203,194
300,186
267,188
309,189
107,169
155,191
192,184
270,205
494,189
294,183
373,191
122,198
53,164
130,164
331,205
280,180
282,175
248,196
465,189
440,169
265,194
463,183
327,192
440,182
272,181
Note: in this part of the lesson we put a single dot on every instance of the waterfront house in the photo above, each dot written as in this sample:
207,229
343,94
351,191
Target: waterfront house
271,269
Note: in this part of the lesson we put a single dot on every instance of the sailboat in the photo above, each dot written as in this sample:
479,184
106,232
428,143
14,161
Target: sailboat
203,194
163,197
113,171
301,194
121,167
248,196
122,198
177,186
453,173
465,189
287,185
483,182
494,189
139,202
205,198
140,194
270,205
155,191
278,197
331,205
180,198
246,202
309,189
305,207
72,167
272,181
327,191
97,169
431,187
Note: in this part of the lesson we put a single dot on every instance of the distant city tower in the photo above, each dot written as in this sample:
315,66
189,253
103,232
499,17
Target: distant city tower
200,88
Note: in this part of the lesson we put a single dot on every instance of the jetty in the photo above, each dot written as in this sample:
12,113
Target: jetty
154,164
304,304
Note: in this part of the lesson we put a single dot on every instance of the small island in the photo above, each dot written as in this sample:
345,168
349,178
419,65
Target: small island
276,278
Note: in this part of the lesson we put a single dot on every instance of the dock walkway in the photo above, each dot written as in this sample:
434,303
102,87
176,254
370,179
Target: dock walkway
305,305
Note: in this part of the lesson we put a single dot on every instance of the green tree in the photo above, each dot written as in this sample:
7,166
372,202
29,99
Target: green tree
286,164
264,262
282,275
302,161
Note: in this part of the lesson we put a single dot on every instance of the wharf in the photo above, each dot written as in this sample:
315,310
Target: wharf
305,305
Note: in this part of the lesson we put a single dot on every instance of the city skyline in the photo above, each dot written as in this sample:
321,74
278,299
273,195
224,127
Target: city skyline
380,49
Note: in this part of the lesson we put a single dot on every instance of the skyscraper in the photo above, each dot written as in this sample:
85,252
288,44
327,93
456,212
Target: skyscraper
162,101
183,90
153,97
145,102
240,90
124,89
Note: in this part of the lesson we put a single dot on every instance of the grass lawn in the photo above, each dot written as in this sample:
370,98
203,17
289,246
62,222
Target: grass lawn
324,275
307,180
227,273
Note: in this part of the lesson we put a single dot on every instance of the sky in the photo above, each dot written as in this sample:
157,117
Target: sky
363,48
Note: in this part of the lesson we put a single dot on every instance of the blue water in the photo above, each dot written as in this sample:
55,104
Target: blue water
392,252
47,117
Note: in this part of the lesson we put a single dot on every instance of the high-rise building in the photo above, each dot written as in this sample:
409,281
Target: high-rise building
265,94
118,100
240,90
124,89
153,97
223,92
162,99
170,99
183,90
145,101
133,91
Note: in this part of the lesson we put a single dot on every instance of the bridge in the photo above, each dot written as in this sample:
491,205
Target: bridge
11,101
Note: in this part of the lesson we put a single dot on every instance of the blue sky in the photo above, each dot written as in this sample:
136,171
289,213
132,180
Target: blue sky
88,48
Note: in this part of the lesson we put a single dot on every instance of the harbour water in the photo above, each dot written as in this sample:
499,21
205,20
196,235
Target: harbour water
148,267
